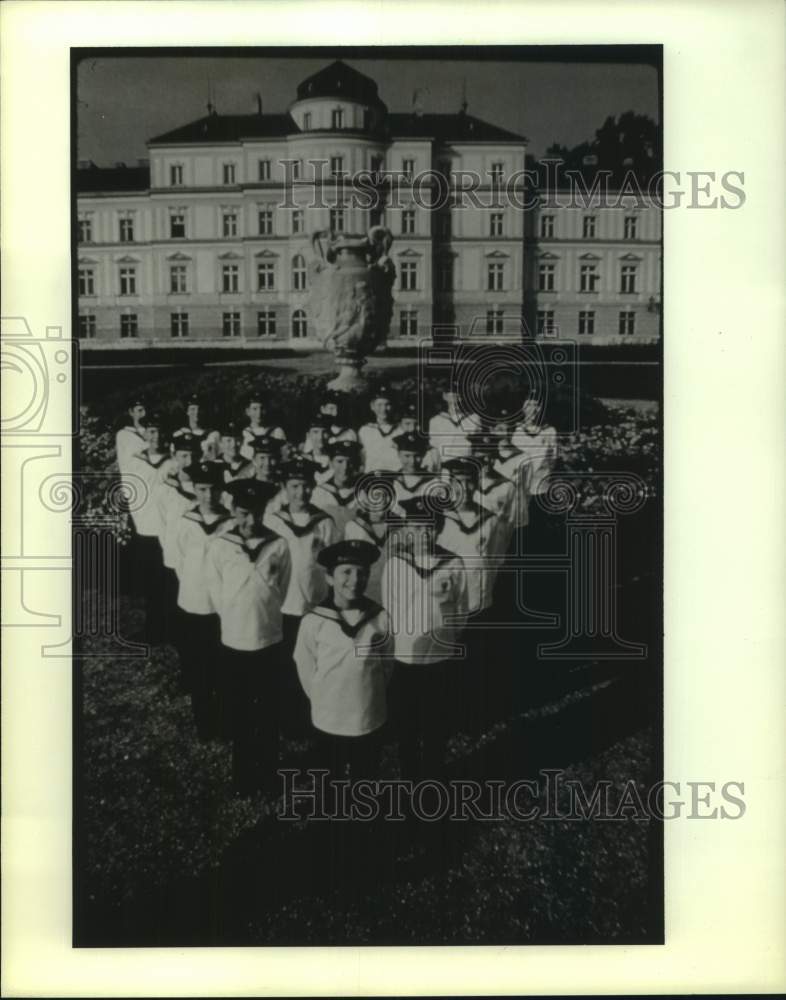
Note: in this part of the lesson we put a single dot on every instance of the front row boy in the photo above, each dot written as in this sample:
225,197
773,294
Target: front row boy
248,570
343,657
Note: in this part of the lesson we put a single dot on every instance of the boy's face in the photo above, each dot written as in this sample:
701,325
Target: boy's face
264,465
410,460
137,412
192,411
408,425
298,492
343,467
254,413
502,433
153,436
462,487
329,410
381,410
451,401
228,446
349,581
247,521
182,460
206,494
317,438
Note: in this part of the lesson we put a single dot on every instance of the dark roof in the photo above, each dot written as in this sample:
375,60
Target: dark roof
228,128
340,80
94,180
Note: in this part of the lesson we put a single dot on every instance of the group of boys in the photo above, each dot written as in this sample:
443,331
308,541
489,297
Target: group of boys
341,576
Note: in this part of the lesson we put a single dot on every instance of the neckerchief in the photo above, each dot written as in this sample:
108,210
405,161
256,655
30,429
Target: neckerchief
384,434
367,526
300,531
208,529
327,609
265,538
456,423
333,490
483,517
497,479
442,556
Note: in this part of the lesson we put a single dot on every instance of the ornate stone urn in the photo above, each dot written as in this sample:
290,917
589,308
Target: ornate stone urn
351,298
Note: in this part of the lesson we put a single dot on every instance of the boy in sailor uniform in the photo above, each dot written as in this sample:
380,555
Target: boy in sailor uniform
307,530
411,480
408,424
256,427
193,424
495,493
233,464
335,494
376,437
314,448
538,441
424,591
370,522
449,430
198,621
343,658
334,405
248,569
174,494
131,439
512,464
148,522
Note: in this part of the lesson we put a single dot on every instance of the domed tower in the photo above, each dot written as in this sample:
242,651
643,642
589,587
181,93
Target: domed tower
338,98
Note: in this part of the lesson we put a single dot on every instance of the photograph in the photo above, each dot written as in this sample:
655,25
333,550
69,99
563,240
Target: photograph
368,465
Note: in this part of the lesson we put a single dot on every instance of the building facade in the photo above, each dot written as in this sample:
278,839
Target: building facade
210,241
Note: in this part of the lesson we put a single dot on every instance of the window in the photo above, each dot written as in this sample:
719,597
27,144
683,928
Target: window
495,224
299,325
307,120
230,324
445,275
128,281
299,274
409,276
178,324
444,226
496,277
408,323
85,233
496,174
588,227
377,162
266,323
297,169
627,323
264,170
229,173
494,321
628,279
408,222
129,326
336,165
229,223
443,167
177,279
266,277
545,321
588,278
265,218
177,225
337,118
408,169
586,322
127,230
87,327
547,226
230,278
337,220
176,175
546,278
298,223
631,225
87,281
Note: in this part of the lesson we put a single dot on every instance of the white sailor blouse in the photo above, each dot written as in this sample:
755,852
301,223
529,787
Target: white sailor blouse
379,452
426,601
307,533
541,451
473,535
343,660
247,581
193,535
495,494
360,528
248,435
515,467
129,442
147,514
174,497
338,501
448,437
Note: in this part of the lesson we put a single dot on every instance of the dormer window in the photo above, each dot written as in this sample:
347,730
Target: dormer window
337,118
307,120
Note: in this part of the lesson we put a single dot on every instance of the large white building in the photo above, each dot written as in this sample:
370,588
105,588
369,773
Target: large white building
211,240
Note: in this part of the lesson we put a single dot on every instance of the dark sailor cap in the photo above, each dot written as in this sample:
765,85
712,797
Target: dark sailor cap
250,494
353,551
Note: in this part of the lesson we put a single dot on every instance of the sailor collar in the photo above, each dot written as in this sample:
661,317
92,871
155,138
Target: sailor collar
300,530
483,516
495,479
456,423
378,427
195,515
132,429
328,610
335,491
368,527
440,558
252,551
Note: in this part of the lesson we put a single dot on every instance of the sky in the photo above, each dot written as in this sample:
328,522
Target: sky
123,101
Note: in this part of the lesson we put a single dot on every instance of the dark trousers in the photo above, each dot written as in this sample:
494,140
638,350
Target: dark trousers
198,648
422,695
295,710
169,587
149,572
249,693
352,757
